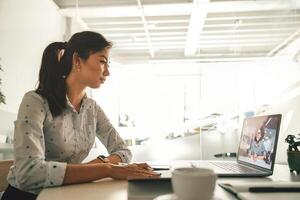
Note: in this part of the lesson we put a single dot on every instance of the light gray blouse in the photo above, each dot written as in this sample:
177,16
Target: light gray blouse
43,145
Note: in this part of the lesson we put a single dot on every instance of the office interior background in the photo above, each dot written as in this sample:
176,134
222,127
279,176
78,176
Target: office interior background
184,73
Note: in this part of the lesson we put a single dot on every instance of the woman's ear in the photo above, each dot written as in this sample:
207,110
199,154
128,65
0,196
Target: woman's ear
76,62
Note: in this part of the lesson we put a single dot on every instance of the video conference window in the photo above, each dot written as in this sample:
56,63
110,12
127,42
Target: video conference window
257,141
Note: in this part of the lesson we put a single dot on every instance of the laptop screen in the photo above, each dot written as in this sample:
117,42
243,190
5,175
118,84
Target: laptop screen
259,140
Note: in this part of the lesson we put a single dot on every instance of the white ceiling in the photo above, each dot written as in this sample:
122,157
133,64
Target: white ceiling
199,30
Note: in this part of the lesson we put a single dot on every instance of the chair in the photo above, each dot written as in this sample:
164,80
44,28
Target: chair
4,168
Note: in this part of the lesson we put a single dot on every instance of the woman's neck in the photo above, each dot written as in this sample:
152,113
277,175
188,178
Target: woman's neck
75,93
75,99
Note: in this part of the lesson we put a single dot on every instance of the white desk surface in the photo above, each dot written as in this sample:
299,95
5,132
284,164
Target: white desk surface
109,189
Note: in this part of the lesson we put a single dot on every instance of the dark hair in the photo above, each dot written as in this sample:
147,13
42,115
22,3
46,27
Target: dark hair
53,72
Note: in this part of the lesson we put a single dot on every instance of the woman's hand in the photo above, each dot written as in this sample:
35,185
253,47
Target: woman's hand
132,170
144,165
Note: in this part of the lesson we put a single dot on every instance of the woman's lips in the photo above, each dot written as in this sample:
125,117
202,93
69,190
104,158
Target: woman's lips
102,80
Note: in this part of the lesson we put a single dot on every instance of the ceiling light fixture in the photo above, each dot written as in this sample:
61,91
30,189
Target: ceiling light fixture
214,60
79,19
145,28
197,20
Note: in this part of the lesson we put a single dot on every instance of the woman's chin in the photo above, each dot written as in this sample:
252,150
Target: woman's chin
95,86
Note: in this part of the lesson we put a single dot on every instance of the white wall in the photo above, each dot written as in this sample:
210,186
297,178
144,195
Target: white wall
26,28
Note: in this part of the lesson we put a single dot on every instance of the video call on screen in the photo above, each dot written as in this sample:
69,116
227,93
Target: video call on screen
258,140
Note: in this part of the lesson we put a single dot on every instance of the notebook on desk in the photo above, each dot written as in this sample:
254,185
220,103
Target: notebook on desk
263,190
148,189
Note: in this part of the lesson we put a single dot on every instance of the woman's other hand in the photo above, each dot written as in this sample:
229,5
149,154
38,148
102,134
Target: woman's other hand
144,165
132,171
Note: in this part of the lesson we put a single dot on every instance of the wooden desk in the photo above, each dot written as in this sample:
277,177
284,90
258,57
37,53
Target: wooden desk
109,189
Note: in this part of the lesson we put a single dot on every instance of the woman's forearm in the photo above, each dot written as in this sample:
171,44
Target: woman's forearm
114,159
80,173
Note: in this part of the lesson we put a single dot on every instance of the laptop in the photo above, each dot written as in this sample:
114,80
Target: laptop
255,156
257,149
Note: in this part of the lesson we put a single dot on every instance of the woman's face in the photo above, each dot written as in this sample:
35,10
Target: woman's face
258,135
93,71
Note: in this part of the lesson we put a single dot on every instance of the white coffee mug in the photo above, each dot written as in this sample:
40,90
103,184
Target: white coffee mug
194,183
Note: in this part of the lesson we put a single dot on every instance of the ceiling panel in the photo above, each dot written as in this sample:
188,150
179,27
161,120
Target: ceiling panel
109,3
186,29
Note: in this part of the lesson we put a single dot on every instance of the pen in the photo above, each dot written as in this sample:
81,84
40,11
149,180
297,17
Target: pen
273,189
159,168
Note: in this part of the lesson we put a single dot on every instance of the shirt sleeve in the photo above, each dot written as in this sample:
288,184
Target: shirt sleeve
110,138
32,170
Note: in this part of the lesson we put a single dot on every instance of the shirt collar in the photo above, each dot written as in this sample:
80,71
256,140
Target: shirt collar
83,103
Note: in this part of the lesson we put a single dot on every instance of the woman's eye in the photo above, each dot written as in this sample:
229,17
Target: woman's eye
102,62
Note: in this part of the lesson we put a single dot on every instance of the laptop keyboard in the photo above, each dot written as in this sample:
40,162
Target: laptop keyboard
234,167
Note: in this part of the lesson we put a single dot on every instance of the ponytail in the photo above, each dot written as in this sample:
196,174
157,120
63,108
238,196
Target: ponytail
52,84
57,64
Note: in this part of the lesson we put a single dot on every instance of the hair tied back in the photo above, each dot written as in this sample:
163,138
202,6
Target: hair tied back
60,54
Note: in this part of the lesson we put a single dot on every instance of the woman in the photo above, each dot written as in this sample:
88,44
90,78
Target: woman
57,123
257,149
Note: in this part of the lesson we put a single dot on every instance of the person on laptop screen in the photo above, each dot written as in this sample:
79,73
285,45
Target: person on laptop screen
258,141
257,149
57,123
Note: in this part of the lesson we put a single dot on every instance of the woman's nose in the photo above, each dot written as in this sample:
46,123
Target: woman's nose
106,72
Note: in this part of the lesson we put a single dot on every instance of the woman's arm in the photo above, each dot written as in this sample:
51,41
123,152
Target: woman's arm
31,171
80,173
110,138
114,159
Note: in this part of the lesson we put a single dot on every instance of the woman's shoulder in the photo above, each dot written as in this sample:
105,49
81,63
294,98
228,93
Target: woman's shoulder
91,102
33,96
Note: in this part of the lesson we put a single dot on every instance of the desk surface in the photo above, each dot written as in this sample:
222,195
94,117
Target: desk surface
115,189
